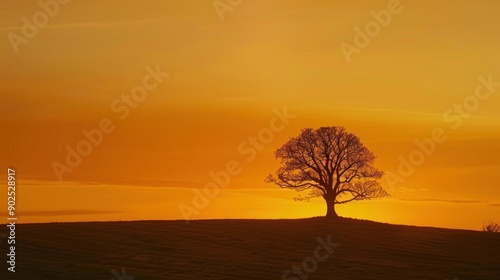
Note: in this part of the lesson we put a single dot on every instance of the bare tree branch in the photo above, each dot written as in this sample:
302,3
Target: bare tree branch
331,162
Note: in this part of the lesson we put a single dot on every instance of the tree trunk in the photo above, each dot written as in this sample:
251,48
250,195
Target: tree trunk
330,207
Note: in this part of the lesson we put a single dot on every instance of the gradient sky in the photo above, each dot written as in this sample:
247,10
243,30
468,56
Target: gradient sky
225,79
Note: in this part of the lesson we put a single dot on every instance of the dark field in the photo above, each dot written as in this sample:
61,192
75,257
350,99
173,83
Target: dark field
250,249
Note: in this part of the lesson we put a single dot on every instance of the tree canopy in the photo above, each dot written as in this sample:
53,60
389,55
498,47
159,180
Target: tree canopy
330,162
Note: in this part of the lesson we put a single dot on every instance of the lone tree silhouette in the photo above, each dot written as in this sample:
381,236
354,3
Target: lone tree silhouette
330,162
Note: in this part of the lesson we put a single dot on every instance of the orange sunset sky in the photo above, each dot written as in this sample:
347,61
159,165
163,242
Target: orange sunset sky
225,78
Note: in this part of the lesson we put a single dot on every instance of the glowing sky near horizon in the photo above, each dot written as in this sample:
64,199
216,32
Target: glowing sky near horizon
226,77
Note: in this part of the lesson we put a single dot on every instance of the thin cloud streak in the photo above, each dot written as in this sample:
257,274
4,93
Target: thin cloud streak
90,24
65,213
461,201
418,113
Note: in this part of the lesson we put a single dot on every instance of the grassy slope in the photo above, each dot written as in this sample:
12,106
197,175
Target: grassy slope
250,249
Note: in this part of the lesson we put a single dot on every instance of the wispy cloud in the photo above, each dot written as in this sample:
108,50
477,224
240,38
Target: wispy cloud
64,213
240,98
410,190
114,181
464,201
438,115
113,24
